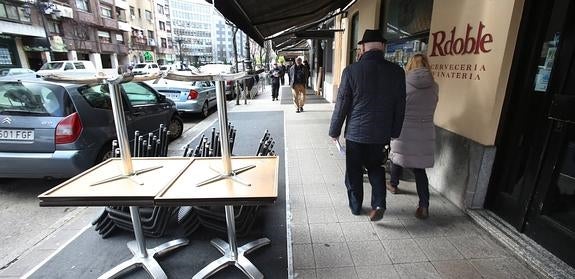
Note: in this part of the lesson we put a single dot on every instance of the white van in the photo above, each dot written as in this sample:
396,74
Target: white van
145,69
67,66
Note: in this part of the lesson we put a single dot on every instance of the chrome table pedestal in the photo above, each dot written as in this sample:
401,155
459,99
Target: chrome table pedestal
232,255
143,257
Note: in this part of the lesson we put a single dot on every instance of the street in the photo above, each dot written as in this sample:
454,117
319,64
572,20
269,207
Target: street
25,223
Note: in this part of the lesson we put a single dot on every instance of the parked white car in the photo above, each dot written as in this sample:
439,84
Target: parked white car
145,69
82,67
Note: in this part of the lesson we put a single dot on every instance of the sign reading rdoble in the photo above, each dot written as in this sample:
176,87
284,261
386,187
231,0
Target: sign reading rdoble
470,44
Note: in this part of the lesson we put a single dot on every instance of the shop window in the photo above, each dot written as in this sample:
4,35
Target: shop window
106,11
83,5
104,37
354,38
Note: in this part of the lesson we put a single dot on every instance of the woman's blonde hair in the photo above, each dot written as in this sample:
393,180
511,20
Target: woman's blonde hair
417,61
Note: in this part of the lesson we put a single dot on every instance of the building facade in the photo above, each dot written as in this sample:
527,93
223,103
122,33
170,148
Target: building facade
143,44
42,31
192,31
504,119
165,49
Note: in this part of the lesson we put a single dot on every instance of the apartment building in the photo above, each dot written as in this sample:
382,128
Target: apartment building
142,20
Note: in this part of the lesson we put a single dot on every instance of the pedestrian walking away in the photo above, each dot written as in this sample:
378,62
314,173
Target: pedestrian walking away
282,73
414,148
298,78
371,101
274,74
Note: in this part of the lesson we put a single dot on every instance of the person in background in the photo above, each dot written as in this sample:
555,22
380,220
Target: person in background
371,101
282,73
414,148
298,74
275,75
308,70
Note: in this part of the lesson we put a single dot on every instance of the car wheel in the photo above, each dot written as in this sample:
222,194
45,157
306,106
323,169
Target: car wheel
176,127
205,110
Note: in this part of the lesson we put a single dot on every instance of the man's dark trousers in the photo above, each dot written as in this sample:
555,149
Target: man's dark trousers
371,156
275,89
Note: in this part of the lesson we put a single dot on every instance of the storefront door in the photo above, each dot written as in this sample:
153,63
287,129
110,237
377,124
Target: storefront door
533,182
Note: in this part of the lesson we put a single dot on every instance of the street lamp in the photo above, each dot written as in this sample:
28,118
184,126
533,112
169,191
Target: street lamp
179,41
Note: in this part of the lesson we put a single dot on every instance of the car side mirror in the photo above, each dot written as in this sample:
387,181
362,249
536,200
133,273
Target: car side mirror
161,98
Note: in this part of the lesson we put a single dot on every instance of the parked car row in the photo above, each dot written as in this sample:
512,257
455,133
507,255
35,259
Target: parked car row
50,129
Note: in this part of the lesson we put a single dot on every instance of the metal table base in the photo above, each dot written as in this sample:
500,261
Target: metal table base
143,257
232,255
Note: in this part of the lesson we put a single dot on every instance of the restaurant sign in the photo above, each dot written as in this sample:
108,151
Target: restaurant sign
470,56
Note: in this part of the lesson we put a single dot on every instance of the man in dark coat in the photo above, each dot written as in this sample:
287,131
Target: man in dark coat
371,101
274,74
298,78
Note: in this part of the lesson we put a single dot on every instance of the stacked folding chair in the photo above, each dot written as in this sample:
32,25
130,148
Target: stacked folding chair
214,217
155,219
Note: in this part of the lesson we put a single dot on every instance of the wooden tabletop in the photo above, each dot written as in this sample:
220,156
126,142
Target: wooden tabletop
263,179
81,191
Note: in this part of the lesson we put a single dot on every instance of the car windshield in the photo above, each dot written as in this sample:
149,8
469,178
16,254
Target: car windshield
139,66
52,66
30,99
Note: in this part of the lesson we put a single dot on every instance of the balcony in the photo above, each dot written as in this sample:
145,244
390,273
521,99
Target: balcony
78,45
110,23
87,17
140,43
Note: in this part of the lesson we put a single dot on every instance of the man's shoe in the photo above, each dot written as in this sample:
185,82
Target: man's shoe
376,214
391,189
301,109
354,212
422,213
297,111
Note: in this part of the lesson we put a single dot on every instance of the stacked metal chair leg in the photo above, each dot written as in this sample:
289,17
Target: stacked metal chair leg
155,219
214,217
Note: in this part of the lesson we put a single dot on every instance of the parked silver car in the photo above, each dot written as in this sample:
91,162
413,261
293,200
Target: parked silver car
189,96
59,130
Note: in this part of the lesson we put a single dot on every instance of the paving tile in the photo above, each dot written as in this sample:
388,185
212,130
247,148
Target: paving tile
502,268
332,255
300,233
423,270
299,216
403,251
337,273
326,233
422,228
368,253
318,201
456,226
438,249
304,274
303,256
390,229
344,215
475,247
297,201
456,269
321,215
314,188
358,231
377,272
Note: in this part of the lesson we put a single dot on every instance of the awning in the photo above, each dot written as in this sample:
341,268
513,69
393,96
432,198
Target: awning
262,19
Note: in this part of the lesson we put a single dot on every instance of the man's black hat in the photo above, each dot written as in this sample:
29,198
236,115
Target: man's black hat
372,36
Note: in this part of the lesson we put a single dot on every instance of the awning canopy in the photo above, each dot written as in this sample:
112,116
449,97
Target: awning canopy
260,20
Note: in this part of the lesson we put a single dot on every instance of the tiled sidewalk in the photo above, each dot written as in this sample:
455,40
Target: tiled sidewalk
330,242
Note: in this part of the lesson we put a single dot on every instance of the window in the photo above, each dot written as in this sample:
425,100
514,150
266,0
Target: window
98,96
162,25
3,10
12,12
54,27
139,13
104,37
148,15
354,38
132,11
150,34
139,94
79,65
164,42
34,99
160,9
68,67
106,11
120,38
83,5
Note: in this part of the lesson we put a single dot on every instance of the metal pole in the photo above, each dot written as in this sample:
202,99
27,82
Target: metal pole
231,222
121,130
223,119
138,233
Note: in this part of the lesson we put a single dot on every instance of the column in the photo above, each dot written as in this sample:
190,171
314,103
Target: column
21,54
97,60
114,58
72,55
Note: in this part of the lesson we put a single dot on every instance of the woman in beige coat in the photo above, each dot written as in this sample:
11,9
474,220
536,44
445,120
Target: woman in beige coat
414,148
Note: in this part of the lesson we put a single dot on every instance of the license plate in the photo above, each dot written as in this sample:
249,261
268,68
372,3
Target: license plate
18,135
173,96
